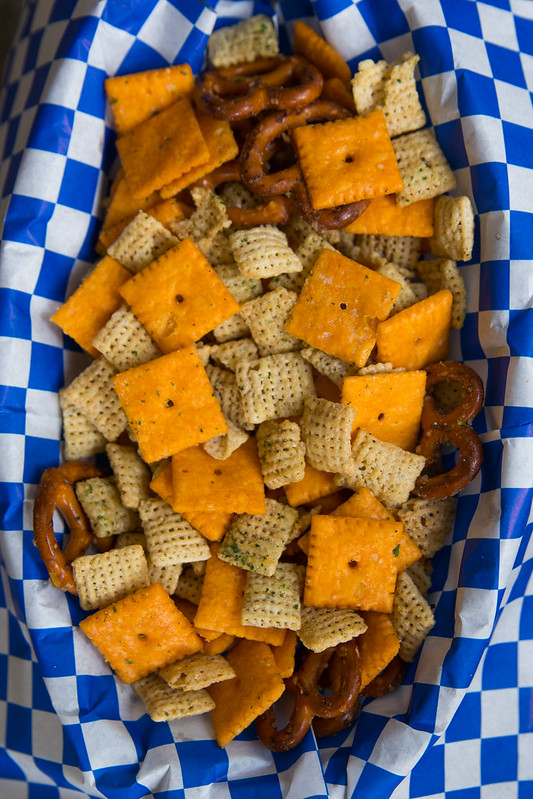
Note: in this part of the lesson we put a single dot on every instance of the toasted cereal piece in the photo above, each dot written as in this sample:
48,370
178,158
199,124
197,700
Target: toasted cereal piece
131,473
385,217
163,147
388,471
197,671
248,40
124,342
93,302
377,646
204,352
412,617
454,228
428,522
220,253
100,499
274,601
326,432
190,585
107,576
263,252
325,627
221,447
231,329
423,166
402,251
308,251
141,242
167,576
284,654
206,222
379,369
320,53
407,296
281,452
328,365
266,317
420,289
237,194
441,274
82,439
392,88
226,391
303,524
164,703
92,393
228,353
274,386
242,288
314,485
130,538
420,573
170,539
141,633
255,543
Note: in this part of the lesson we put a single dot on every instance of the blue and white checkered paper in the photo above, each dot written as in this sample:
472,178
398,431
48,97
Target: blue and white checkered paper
461,725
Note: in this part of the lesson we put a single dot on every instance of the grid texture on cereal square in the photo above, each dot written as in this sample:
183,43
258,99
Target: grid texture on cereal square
423,166
93,302
189,585
227,392
167,576
100,499
384,216
124,342
325,627
263,251
315,484
326,431
248,40
407,295
428,521
107,576
255,543
402,251
169,404
443,273
221,447
164,703
420,573
309,248
347,160
281,452
92,393
454,228
197,671
229,353
131,473
274,601
233,485
206,222
418,335
339,307
179,298
161,148
231,329
329,366
82,439
240,287
170,539
320,53
140,633
266,317
412,617
377,646
142,241
274,386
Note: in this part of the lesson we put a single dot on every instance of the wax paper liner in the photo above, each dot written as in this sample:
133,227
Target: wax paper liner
58,148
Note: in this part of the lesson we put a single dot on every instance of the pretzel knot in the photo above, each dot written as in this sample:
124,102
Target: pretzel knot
471,385
243,91
56,491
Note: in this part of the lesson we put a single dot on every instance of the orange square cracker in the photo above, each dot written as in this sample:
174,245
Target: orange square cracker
385,217
169,404
339,307
314,485
123,205
179,297
377,645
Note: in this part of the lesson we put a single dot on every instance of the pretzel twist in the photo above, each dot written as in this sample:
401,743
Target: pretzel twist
473,394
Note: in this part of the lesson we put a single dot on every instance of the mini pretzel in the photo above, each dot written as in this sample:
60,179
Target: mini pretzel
387,680
473,393
471,458
245,90
56,491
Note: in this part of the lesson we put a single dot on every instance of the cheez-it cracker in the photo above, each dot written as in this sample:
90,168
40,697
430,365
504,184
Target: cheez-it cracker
385,217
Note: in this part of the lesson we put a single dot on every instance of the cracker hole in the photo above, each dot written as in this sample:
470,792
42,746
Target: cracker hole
343,306
218,471
352,564
348,159
169,403
179,297
381,417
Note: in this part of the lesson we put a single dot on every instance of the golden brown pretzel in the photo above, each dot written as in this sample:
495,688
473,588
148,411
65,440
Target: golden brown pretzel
473,394
56,491
387,680
471,457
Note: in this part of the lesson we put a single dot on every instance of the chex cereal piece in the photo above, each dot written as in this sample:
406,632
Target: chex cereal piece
124,342
179,297
220,253
107,576
131,473
352,563
418,335
377,646
227,392
130,538
420,573
328,365
134,98
82,439
208,219
454,228
263,251
246,41
164,703
412,617
93,302
100,499
428,522
402,251
197,671
92,393
234,193
392,88
379,369
141,242
308,251
314,485
423,166
274,386
325,627
167,576
284,654
320,53
326,432
220,605
303,524
281,452
231,329
266,317
443,273
347,160
190,585
170,539
221,447
233,485
204,352
141,633
230,352
387,405
339,307
274,601
385,216
240,287
255,543
407,296
169,404
388,471
163,147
